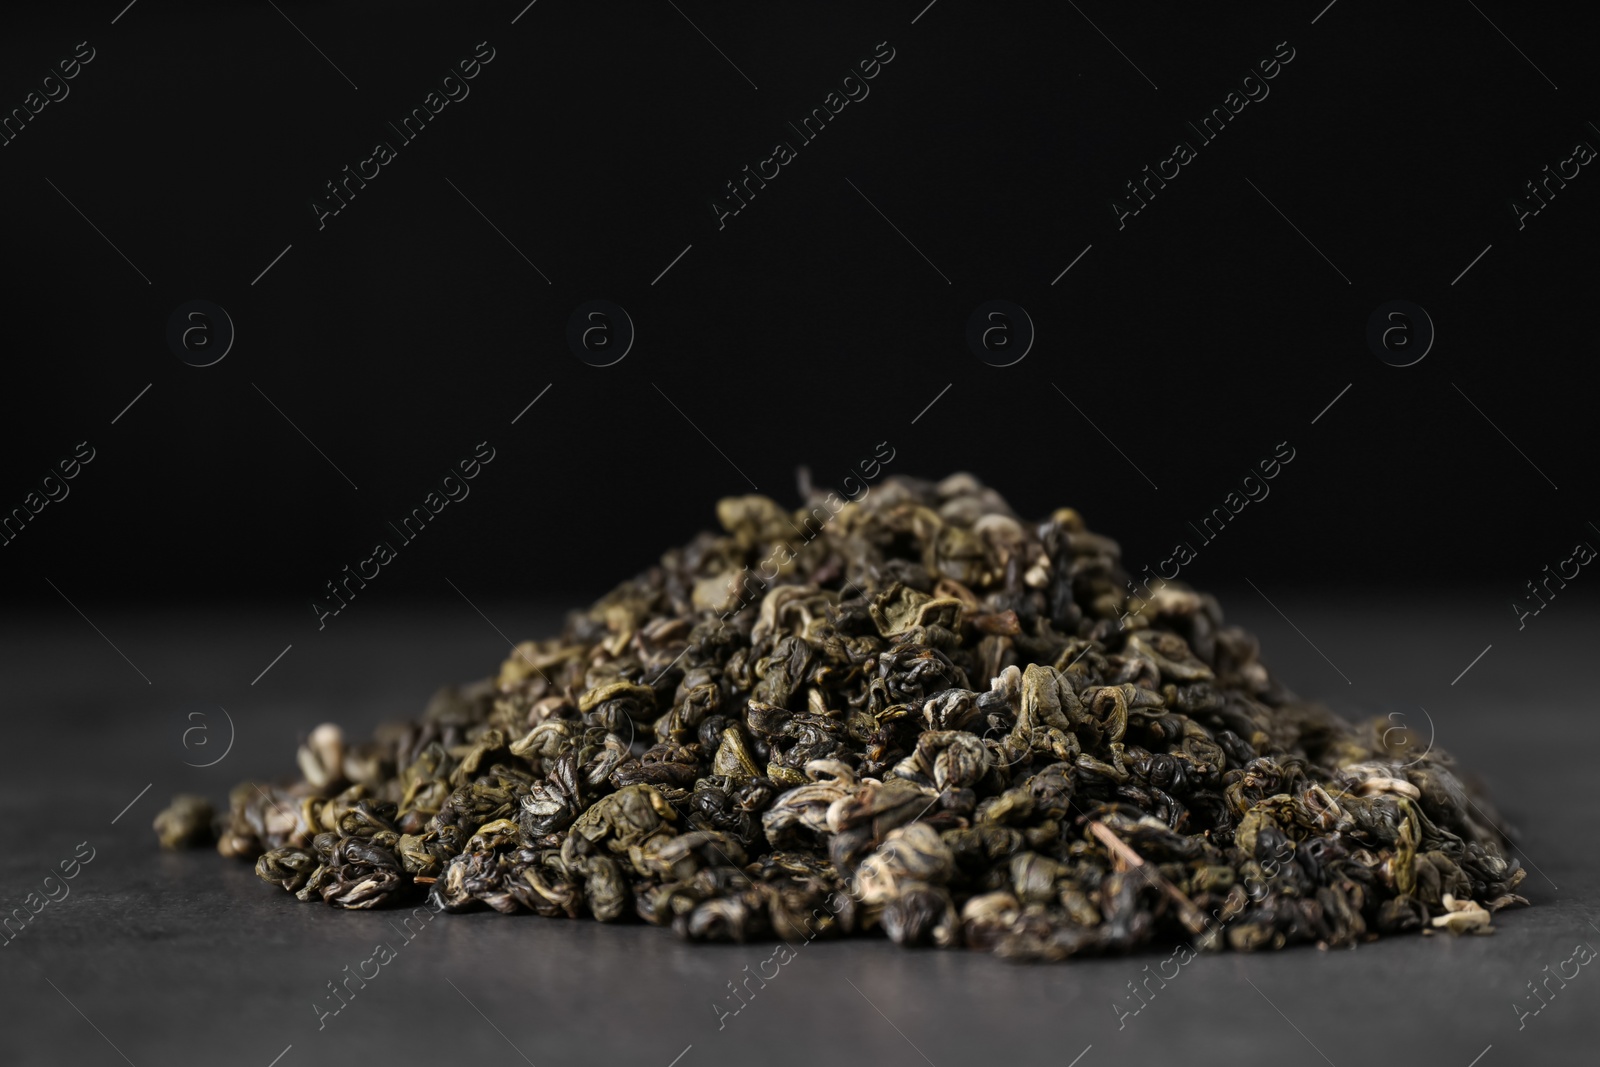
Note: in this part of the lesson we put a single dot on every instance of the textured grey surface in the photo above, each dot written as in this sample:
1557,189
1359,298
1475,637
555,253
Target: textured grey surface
188,959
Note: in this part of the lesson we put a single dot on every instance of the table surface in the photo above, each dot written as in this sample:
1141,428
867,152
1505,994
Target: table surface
187,958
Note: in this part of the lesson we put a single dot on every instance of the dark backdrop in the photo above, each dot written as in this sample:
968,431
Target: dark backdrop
1176,353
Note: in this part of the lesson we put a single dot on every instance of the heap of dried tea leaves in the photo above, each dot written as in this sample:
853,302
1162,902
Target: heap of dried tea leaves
913,713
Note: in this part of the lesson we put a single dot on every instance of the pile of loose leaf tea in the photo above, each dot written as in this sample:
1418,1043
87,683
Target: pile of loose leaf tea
913,713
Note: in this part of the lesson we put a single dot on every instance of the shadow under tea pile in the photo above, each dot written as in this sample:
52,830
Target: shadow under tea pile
913,713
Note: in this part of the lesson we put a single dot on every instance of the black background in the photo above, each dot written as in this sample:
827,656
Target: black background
807,330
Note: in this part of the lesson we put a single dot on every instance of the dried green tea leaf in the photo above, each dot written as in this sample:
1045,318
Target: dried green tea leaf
912,713
185,823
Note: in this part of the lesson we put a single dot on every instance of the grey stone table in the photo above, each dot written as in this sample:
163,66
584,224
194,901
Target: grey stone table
159,959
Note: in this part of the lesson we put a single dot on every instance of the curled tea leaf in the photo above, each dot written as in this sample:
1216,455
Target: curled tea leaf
913,713
185,823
